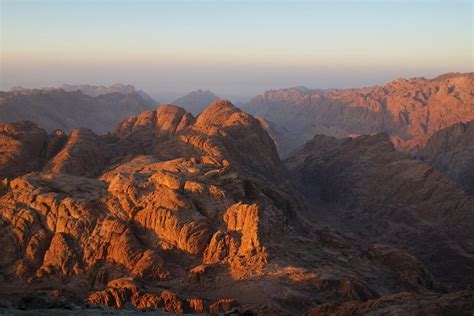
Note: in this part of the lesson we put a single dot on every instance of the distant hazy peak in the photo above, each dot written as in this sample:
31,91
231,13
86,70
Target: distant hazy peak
206,92
196,101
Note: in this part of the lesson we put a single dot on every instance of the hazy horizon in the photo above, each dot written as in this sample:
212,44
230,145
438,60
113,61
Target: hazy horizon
237,49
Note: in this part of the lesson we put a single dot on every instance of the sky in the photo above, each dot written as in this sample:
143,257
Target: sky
235,48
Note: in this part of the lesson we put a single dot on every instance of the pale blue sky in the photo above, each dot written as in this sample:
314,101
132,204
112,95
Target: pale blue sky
232,47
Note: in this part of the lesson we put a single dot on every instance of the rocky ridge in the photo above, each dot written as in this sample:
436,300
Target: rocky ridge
409,111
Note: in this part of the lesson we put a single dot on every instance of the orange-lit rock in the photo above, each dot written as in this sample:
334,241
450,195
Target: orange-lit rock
22,148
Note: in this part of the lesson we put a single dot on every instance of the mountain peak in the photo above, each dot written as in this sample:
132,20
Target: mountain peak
218,112
196,101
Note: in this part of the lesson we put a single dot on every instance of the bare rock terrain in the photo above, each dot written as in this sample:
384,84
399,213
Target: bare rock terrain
178,214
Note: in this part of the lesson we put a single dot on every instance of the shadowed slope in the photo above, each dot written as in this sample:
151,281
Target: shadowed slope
381,195
451,150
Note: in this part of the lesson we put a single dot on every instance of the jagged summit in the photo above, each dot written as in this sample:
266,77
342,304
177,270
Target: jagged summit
166,119
218,112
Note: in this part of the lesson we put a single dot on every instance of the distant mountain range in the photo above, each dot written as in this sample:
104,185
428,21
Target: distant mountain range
95,91
96,107
409,111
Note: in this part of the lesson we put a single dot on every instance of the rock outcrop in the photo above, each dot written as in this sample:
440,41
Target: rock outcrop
82,155
410,111
23,148
451,151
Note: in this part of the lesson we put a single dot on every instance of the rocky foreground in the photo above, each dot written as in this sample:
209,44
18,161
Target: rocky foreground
178,214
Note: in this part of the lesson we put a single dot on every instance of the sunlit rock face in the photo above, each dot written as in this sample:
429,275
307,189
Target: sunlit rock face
185,215
409,111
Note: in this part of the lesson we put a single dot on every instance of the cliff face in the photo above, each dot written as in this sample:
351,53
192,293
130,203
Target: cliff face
451,151
183,214
364,187
59,109
409,111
